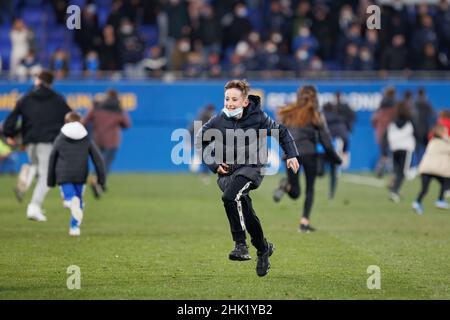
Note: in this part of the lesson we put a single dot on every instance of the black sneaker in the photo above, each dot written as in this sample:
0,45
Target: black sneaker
306,228
279,192
239,253
96,190
263,263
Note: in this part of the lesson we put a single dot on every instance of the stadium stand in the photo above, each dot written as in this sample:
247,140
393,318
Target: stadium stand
297,36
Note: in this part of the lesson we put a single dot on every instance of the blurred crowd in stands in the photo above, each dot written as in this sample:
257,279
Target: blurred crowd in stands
221,38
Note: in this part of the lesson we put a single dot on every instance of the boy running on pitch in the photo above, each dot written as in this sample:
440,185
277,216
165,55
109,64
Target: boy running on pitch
68,167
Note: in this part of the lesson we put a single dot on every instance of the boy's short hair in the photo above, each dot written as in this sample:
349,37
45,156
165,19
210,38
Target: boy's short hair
242,85
46,77
72,116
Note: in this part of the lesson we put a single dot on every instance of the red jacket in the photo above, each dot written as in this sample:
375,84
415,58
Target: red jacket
446,123
442,121
107,126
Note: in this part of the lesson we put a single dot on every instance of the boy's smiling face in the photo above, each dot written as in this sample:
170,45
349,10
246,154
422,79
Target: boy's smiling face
234,99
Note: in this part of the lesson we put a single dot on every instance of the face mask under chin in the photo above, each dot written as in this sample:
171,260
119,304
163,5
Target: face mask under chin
233,113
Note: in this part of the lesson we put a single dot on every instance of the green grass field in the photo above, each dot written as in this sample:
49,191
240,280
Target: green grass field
167,237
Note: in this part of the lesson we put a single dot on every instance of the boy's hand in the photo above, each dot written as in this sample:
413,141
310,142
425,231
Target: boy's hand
292,163
222,169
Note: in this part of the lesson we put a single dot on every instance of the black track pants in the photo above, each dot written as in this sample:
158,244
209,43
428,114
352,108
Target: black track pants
240,213
309,164
426,179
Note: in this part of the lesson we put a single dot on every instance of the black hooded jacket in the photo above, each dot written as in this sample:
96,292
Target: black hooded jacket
309,136
70,155
253,118
42,111
336,125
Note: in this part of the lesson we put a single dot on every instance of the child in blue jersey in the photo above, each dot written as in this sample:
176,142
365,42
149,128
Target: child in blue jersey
68,167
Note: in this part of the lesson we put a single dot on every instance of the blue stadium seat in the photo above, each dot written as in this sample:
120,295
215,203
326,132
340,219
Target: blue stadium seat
228,53
103,3
33,16
38,28
75,52
57,34
79,3
51,46
75,65
255,18
102,14
50,17
332,65
4,33
6,25
33,3
149,34
6,55
5,44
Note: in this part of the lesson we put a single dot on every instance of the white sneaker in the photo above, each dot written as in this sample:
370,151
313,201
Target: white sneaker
66,204
75,209
34,212
75,232
417,207
441,204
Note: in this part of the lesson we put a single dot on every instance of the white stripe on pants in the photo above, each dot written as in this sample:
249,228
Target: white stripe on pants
239,204
408,161
39,155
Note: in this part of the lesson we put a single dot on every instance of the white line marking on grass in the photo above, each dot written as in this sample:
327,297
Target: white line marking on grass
363,180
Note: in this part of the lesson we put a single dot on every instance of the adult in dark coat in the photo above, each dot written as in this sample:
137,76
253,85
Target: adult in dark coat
339,134
42,113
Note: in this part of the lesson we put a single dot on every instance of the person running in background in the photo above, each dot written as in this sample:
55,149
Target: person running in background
409,101
444,119
344,110
107,119
380,120
42,113
400,140
308,127
424,118
196,165
340,135
68,167
349,117
8,156
435,164
238,175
